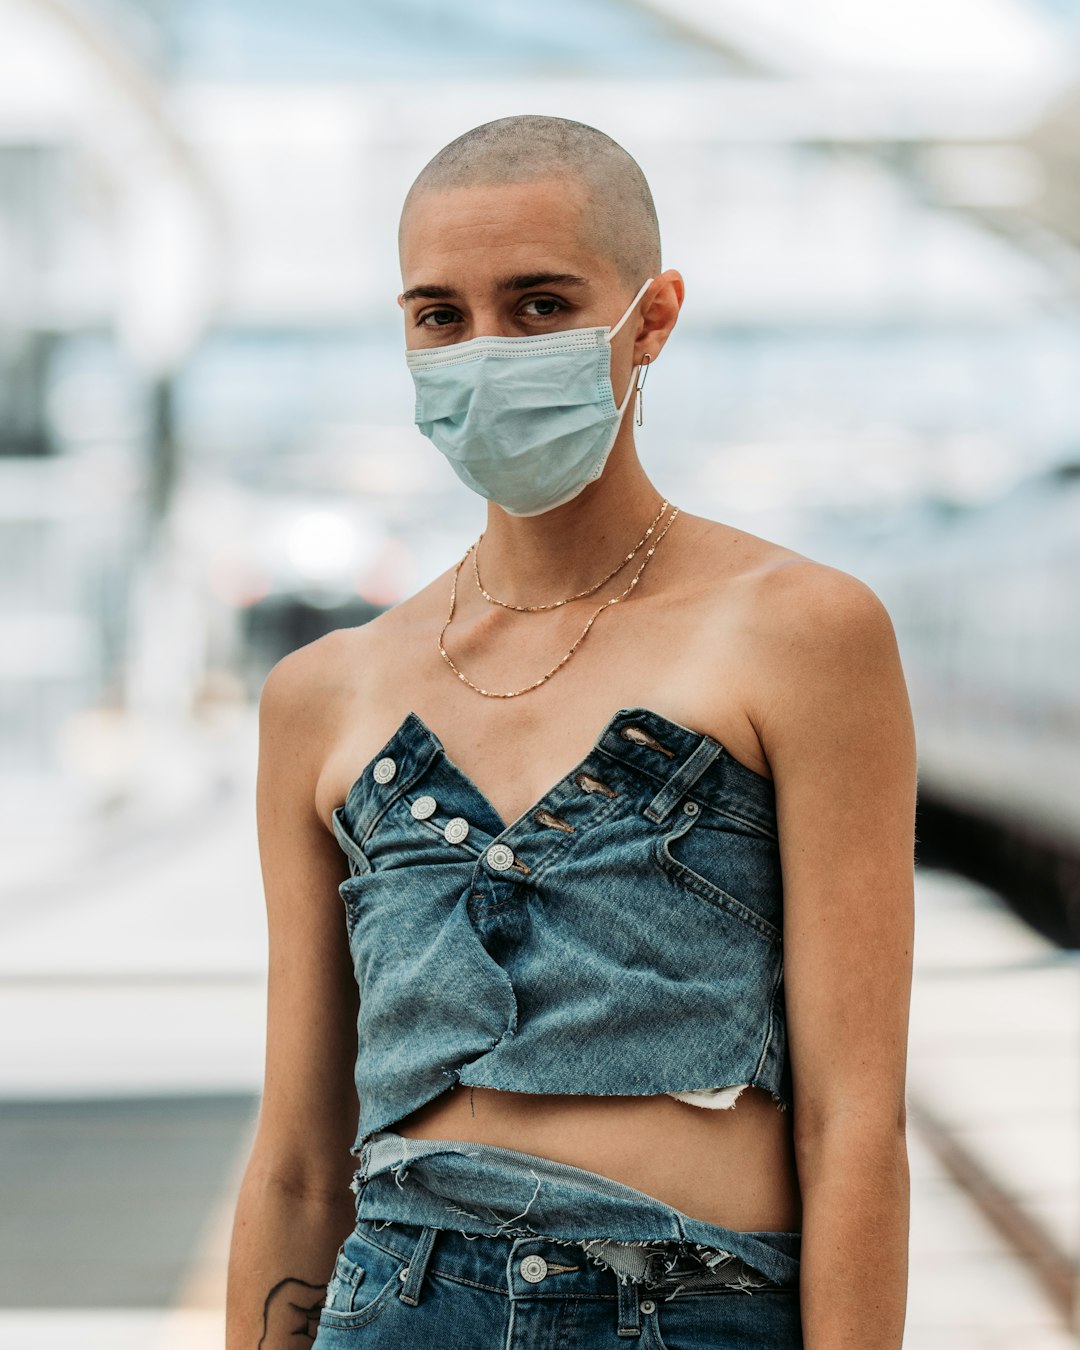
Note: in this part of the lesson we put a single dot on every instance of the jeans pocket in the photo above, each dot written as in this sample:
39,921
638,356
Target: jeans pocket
761,1319
737,872
366,1280
357,858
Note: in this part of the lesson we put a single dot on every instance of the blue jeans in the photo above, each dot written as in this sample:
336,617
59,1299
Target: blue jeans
463,1246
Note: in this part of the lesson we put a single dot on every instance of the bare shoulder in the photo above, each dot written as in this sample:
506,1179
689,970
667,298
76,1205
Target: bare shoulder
302,690
810,608
828,672
309,685
350,677
810,640
784,600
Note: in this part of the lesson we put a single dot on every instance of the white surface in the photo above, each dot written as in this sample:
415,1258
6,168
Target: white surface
111,1329
995,1046
143,971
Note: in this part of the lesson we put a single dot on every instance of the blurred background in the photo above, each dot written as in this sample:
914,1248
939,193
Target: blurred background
207,458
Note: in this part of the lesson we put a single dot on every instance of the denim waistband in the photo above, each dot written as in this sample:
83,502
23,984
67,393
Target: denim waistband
488,1190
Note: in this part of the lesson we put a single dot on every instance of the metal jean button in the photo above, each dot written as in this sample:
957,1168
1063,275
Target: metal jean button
384,771
456,830
423,807
533,1269
500,858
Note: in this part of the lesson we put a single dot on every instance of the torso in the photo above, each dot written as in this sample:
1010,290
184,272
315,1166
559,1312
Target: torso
682,645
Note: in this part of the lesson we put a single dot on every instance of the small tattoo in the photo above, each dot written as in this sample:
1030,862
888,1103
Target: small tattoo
290,1313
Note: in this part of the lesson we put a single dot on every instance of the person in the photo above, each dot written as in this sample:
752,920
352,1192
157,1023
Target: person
621,808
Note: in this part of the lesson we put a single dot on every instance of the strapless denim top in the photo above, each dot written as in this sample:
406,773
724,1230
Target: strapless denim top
621,936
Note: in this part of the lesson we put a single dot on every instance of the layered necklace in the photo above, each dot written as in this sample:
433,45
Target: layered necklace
474,549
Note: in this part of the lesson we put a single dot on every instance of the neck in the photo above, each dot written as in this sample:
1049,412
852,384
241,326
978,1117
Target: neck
529,560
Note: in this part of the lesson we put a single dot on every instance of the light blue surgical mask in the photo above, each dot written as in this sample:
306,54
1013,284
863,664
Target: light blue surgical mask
527,422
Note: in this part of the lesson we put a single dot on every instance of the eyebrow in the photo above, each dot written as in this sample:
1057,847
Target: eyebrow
522,282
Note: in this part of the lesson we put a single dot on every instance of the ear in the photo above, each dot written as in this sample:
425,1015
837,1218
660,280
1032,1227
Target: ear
659,313
401,300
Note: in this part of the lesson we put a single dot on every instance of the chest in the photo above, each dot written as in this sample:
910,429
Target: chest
683,664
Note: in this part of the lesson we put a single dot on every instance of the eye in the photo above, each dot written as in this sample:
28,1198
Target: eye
542,307
442,318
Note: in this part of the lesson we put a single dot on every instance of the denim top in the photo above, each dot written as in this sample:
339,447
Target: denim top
621,936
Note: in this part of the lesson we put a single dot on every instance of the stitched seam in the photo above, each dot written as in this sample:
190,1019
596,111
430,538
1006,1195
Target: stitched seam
562,844
765,831
437,832
361,779
633,766
433,1269
718,897
704,802
438,359
400,786
360,1317
485,909
772,1019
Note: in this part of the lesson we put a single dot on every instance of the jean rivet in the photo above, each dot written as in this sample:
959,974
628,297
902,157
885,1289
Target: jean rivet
403,1274
691,808
648,1306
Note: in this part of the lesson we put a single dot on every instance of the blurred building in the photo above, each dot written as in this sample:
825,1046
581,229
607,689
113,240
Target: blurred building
206,450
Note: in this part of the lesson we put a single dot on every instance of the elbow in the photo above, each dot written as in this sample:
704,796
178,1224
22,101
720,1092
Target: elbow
874,1126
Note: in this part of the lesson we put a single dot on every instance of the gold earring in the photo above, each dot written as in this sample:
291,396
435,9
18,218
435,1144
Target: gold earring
639,410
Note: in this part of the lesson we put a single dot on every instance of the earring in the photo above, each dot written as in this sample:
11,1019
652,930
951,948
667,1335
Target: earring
639,410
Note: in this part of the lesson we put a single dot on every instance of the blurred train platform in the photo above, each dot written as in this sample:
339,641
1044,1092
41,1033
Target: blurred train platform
126,785
994,1126
132,1006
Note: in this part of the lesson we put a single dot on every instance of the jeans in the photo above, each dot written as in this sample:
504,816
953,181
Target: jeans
463,1246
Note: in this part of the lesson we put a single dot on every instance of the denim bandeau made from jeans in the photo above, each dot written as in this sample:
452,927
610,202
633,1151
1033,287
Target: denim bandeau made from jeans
620,937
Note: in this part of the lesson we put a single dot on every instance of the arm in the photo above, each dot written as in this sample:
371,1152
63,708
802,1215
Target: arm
295,1206
837,728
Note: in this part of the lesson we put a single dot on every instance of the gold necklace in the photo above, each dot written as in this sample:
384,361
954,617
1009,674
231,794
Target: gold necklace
537,683
581,595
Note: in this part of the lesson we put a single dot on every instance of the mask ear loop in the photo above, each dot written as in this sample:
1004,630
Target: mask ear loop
630,309
630,389
639,414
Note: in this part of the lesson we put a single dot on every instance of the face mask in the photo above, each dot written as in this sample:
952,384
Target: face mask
527,422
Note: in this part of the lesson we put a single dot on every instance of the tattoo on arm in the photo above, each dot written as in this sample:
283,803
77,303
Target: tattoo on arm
291,1315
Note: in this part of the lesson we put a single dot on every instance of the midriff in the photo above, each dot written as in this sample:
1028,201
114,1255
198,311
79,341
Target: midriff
733,1167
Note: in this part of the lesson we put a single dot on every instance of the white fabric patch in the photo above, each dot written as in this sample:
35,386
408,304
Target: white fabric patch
720,1098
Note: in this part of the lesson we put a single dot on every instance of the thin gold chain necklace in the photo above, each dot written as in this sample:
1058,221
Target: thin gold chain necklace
554,669
581,595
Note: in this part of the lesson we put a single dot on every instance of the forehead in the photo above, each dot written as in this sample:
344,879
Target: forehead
484,230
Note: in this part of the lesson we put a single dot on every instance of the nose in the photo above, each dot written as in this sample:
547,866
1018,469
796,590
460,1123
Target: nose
485,321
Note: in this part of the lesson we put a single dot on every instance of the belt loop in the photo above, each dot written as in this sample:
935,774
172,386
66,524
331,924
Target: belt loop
684,778
629,1311
418,1262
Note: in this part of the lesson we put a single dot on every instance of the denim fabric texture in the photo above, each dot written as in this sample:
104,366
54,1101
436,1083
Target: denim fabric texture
621,936
485,1189
454,1270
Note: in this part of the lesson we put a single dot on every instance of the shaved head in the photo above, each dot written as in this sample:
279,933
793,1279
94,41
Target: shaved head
618,217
